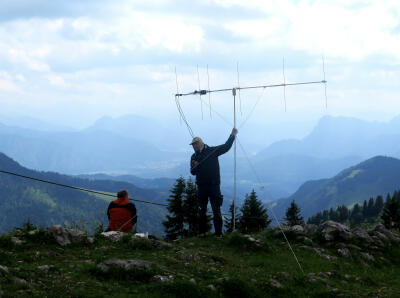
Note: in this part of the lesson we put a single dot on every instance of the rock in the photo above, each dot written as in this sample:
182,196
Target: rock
310,229
65,236
353,246
45,267
19,281
381,236
392,236
326,275
142,235
377,241
312,280
114,236
160,244
285,276
381,228
275,283
187,258
344,252
17,241
384,260
328,257
367,256
212,288
162,278
4,270
307,241
331,231
193,281
362,235
297,229
364,264
335,290
123,264
251,239
52,254
320,252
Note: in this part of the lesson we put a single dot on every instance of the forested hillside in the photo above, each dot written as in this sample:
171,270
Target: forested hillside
373,177
46,204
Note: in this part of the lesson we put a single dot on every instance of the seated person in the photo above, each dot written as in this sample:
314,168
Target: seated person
121,213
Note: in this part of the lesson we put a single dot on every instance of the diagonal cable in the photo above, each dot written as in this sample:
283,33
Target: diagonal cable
273,213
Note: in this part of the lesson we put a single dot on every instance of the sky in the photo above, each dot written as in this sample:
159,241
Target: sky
72,62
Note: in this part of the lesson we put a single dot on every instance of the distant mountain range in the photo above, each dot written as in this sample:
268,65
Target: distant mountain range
334,144
339,137
46,204
81,152
376,176
145,148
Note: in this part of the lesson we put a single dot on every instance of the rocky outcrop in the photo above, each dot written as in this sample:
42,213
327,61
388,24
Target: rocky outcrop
365,245
65,236
115,236
123,264
331,231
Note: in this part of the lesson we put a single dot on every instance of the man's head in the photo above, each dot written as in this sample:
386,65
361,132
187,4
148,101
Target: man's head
197,144
122,194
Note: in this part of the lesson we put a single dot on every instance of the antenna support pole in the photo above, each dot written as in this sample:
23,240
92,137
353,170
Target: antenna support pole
234,160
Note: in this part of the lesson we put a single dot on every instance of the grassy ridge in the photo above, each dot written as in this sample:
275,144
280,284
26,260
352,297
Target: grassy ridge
232,266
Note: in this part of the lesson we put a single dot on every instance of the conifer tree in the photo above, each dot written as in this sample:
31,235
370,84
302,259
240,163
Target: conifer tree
318,218
190,208
388,198
229,223
391,213
343,213
174,225
293,216
371,208
356,215
334,215
379,204
254,216
325,215
364,210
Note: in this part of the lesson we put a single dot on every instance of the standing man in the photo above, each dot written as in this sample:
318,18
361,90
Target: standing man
205,166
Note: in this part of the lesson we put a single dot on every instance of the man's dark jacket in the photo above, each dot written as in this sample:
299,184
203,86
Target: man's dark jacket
207,172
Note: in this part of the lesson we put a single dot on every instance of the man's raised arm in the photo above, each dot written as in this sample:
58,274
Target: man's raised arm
221,149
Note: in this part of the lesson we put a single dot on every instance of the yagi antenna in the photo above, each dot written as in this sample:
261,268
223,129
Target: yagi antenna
234,91
204,92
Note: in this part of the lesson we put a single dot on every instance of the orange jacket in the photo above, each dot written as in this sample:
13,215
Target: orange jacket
121,215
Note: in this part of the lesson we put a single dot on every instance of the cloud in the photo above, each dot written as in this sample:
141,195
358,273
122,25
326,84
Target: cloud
111,58
7,85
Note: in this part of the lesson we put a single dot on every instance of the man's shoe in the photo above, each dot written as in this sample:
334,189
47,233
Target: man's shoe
218,235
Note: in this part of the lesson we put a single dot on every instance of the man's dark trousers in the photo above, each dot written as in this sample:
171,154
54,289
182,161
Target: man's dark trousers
212,192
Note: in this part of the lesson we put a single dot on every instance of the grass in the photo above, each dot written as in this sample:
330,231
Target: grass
233,265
